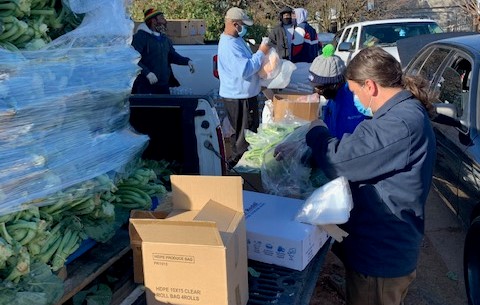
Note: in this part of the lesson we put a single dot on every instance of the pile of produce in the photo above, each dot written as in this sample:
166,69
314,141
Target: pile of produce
70,168
31,24
44,237
266,137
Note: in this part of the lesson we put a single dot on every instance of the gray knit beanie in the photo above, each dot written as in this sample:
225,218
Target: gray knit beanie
327,68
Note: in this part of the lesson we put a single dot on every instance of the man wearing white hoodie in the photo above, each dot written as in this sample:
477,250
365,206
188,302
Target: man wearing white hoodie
157,53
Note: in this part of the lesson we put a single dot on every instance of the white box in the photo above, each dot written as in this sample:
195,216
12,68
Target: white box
274,237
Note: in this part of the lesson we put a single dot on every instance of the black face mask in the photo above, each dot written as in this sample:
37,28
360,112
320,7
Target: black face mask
328,92
286,21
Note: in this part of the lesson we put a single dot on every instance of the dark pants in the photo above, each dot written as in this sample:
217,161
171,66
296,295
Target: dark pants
243,114
141,85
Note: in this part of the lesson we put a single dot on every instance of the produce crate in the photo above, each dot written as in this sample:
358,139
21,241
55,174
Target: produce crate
282,286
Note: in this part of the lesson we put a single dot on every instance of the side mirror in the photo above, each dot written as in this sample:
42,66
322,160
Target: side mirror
446,114
345,46
449,110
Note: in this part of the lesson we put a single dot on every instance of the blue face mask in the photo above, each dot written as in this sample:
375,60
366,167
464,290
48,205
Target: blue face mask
243,31
366,111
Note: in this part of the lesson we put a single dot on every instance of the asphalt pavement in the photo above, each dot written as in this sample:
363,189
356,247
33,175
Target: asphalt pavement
440,266
440,269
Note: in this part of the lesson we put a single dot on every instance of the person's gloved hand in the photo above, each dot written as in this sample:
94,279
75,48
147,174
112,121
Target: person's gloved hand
285,151
316,123
152,78
190,65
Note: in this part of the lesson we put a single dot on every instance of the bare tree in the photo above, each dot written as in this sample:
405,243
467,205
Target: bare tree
471,8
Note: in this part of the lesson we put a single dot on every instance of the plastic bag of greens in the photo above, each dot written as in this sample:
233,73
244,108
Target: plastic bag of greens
291,175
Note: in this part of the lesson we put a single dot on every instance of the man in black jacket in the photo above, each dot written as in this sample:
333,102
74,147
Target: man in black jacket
157,54
281,35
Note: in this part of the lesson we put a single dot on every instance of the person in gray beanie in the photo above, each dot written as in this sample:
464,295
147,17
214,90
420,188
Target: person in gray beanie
326,76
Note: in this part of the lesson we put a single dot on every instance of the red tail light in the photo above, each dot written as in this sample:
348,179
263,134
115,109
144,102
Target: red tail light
221,145
215,66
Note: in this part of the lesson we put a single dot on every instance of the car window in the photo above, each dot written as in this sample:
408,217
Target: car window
336,39
454,84
428,63
346,34
353,37
389,33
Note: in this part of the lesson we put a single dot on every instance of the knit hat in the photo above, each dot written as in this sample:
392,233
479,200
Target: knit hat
286,9
236,13
151,12
327,68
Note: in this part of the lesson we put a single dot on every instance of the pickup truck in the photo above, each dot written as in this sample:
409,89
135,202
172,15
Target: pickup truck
184,126
383,33
203,80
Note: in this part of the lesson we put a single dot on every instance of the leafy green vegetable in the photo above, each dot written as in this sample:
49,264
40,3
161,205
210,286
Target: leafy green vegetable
99,294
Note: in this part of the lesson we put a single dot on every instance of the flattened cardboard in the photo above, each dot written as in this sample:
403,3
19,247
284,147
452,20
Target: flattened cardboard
285,105
274,237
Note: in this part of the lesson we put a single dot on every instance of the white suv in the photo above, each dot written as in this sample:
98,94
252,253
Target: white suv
384,33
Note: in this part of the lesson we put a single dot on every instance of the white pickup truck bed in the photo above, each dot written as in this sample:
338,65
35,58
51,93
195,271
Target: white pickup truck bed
202,81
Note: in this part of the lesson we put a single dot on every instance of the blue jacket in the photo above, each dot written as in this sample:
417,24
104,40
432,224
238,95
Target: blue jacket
389,162
340,114
238,68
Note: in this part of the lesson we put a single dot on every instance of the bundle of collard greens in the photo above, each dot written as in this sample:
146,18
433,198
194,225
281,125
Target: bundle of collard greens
291,175
39,287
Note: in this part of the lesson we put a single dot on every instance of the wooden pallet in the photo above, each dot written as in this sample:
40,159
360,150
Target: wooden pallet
86,268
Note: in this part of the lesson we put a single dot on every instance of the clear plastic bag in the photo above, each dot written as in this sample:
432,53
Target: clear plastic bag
329,204
271,65
290,176
260,142
283,77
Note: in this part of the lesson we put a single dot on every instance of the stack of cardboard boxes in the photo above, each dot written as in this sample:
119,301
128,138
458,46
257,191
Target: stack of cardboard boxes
186,31
197,253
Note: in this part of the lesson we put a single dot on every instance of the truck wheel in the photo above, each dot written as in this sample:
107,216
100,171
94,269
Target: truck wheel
471,262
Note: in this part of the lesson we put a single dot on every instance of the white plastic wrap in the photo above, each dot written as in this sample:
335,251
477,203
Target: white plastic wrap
329,204
64,112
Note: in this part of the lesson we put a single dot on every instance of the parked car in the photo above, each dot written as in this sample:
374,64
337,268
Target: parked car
384,33
452,66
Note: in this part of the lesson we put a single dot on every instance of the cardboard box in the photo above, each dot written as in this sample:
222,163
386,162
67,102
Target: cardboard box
285,105
186,27
274,237
178,27
197,255
196,39
136,241
197,27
